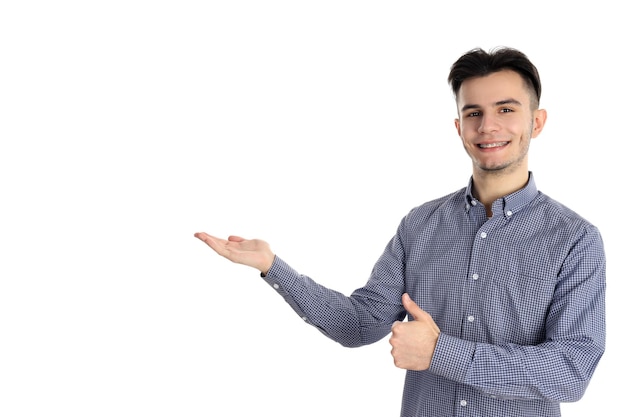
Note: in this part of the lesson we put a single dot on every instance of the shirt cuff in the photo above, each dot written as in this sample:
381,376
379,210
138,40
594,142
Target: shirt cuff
452,357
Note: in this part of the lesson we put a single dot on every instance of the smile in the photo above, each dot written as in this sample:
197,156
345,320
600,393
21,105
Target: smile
492,145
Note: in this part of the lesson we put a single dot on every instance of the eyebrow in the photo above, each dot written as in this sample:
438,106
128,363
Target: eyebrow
496,104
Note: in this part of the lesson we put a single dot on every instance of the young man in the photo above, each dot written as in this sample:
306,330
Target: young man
504,287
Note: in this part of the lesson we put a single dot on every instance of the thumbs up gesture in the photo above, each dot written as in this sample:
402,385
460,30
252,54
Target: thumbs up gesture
413,342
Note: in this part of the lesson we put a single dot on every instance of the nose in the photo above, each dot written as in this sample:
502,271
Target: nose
488,123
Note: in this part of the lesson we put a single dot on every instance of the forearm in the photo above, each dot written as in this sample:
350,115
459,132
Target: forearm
344,319
552,371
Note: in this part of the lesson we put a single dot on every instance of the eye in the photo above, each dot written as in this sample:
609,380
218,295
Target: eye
473,114
506,110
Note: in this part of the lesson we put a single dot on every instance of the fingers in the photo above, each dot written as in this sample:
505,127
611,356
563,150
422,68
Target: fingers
206,238
211,241
202,236
412,308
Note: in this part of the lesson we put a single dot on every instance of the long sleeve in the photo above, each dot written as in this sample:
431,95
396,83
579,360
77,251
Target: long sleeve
351,321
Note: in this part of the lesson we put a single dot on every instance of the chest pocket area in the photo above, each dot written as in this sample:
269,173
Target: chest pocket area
516,304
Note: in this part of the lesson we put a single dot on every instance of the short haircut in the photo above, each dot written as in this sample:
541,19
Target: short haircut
479,63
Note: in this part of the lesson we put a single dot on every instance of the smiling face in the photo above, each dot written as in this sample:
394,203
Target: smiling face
497,120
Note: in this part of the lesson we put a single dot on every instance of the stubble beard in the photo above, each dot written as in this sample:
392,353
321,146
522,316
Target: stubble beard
507,166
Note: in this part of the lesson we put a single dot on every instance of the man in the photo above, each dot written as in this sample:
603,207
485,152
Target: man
504,287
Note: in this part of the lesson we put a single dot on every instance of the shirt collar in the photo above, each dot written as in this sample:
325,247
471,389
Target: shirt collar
509,204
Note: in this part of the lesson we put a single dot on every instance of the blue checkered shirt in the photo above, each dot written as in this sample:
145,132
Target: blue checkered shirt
519,299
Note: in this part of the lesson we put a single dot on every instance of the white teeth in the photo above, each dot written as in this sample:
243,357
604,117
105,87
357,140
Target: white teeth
491,145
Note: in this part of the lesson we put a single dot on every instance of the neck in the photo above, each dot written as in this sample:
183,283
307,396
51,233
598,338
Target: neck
487,187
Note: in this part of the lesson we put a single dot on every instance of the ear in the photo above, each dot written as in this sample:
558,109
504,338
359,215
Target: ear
457,124
539,121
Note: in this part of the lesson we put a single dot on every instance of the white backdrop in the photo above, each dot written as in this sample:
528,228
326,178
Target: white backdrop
126,126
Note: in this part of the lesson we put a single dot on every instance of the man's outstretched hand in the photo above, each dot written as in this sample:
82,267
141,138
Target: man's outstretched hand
255,253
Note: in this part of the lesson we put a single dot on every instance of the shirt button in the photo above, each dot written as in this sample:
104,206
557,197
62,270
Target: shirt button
509,213
470,318
463,403
483,235
276,286
474,202
475,277
304,318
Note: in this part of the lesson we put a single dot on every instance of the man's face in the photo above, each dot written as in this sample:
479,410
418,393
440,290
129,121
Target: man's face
496,122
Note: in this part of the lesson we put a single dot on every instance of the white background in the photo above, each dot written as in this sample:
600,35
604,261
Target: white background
126,126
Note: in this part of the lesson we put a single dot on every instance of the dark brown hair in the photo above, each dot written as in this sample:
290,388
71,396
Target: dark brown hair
479,63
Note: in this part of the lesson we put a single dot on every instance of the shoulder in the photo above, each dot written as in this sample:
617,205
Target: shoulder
448,203
558,219
550,208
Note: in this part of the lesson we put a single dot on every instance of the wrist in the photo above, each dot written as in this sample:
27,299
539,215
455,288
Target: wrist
264,269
